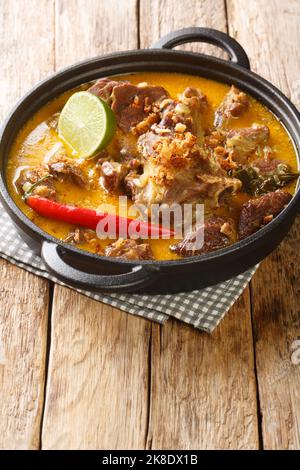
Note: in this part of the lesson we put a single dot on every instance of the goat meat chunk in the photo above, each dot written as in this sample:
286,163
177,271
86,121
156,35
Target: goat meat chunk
38,181
129,249
234,104
258,212
63,168
269,166
132,104
104,88
171,162
240,143
113,174
214,187
177,170
184,114
81,235
216,233
172,155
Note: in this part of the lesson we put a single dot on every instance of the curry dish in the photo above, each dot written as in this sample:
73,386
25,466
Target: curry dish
179,139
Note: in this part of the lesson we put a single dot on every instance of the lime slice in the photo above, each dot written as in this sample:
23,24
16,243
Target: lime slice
86,123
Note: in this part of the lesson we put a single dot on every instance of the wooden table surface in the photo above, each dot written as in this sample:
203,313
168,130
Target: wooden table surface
77,374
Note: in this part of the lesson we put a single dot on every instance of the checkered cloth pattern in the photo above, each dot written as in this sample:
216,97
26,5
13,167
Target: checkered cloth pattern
203,309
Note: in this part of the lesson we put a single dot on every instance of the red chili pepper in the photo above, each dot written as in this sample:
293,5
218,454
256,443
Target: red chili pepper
90,218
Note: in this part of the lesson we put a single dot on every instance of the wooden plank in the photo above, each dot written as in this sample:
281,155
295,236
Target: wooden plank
23,337
22,68
273,49
23,296
203,387
87,28
97,394
168,15
98,376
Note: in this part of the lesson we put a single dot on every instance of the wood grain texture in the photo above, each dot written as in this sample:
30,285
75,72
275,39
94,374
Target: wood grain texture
87,28
98,376
23,297
97,393
203,387
274,52
26,35
23,336
168,15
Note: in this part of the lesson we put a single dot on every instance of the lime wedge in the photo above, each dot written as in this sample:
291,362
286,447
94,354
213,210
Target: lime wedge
86,124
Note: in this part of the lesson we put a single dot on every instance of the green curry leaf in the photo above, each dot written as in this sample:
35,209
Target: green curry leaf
256,184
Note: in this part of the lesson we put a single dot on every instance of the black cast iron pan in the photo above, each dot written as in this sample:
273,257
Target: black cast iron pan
86,270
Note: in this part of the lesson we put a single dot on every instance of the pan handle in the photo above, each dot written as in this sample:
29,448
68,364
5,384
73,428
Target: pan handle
208,35
140,276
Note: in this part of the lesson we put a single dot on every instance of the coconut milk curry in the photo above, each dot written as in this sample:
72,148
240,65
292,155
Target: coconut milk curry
179,138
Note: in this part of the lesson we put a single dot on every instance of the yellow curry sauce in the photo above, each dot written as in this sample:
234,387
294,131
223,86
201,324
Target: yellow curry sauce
36,143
